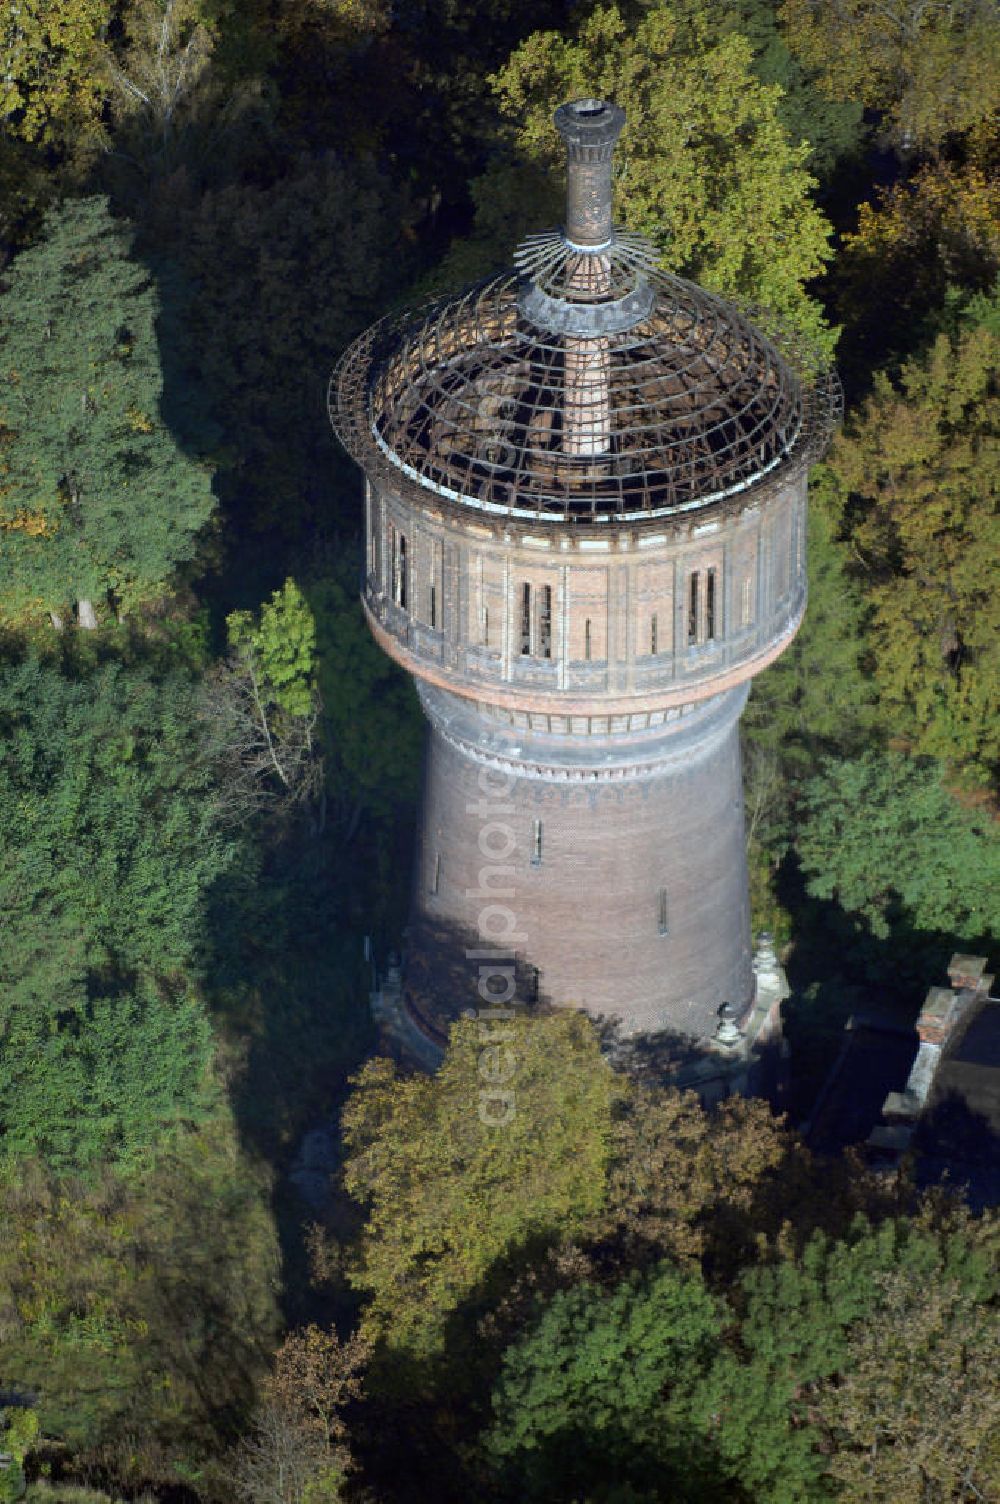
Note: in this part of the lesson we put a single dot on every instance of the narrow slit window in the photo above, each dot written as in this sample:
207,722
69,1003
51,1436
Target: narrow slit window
536,845
436,874
586,640
486,626
399,569
433,606
661,912
545,622
710,606
654,646
525,618
693,601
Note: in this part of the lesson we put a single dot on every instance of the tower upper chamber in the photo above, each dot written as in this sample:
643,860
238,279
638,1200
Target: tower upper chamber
585,520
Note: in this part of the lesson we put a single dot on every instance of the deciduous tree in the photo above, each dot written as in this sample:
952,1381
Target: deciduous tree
506,1145
913,1412
599,1391
882,834
704,166
930,65
297,1451
51,85
919,465
319,249
266,705
140,1311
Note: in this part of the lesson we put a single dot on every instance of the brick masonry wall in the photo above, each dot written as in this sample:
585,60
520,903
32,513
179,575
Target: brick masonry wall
617,583
588,913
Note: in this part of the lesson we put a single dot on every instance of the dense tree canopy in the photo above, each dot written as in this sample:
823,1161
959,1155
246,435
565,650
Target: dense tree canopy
286,275
932,68
882,832
508,1142
605,1378
138,1312
705,166
919,465
109,847
50,88
98,496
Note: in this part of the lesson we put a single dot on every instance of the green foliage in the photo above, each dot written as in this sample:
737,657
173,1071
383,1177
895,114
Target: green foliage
882,834
43,1492
919,468
138,1300
704,166
109,846
140,1310
76,1083
97,494
458,1174
264,701
832,128
283,644
915,1412
602,1381
654,1381
931,68
819,694
819,697
922,244
50,89
18,1429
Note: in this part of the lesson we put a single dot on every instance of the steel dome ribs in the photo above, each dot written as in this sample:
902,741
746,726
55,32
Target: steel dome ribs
469,397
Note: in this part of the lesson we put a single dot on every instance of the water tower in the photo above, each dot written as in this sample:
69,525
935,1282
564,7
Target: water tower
585,516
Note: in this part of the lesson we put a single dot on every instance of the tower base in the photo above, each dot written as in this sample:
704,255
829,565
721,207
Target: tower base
610,871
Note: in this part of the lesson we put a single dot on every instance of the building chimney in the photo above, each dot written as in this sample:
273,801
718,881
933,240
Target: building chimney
590,129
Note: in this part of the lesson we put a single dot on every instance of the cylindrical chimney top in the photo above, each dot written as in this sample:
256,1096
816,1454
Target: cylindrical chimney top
590,128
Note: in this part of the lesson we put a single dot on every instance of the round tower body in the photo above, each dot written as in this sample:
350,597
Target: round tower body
585,533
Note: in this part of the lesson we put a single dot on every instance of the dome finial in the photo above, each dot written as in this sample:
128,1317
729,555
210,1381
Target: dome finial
590,129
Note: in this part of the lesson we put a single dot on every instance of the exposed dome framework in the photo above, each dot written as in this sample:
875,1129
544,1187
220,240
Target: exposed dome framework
588,386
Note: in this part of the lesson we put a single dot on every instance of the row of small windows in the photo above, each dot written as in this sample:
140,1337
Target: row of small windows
535,628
